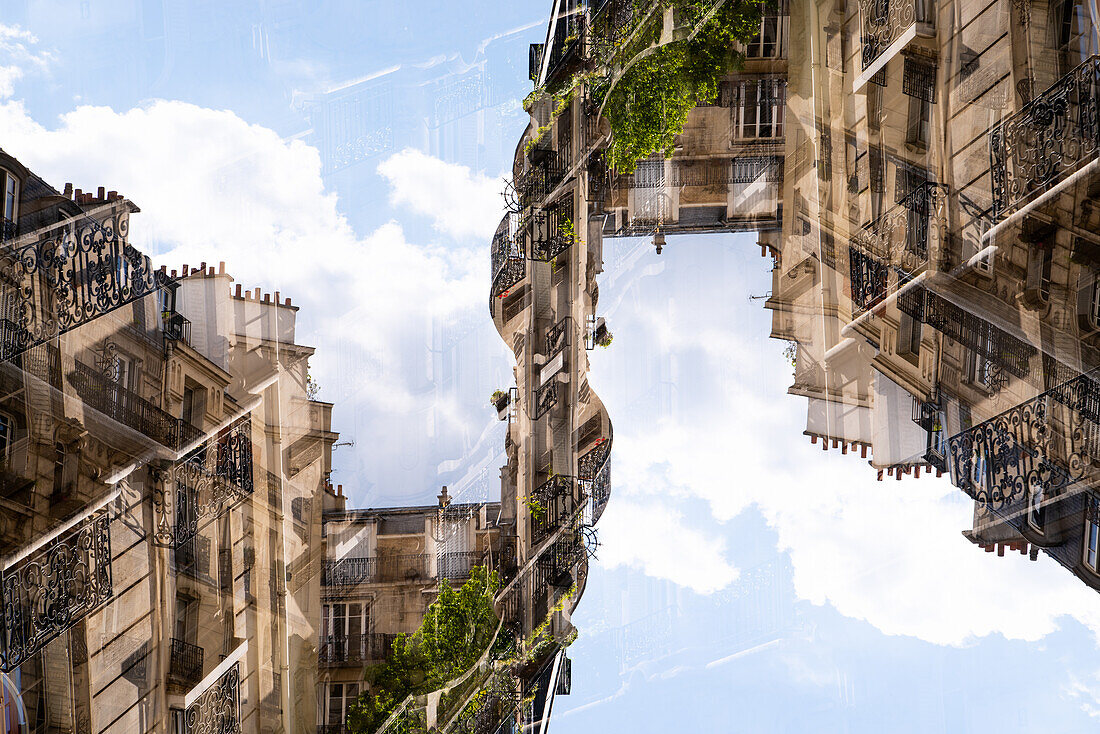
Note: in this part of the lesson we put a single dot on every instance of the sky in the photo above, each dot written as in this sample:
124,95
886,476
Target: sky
349,155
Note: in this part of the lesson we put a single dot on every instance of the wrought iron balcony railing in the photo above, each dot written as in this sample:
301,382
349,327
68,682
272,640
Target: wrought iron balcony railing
868,279
185,662
1052,137
177,328
973,332
594,476
886,21
547,169
349,571
130,409
508,264
76,271
405,567
456,565
218,708
549,506
54,588
210,480
551,230
902,237
354,649
8,230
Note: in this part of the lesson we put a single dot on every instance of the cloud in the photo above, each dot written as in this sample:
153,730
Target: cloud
17,56
889,553
653,537
459,202
213,187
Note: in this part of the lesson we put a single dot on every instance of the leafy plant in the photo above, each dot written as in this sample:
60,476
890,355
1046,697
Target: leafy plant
534,507
497,396
457,628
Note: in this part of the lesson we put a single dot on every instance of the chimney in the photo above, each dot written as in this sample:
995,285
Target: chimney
238,293
101,193
221,268
444,498
68,191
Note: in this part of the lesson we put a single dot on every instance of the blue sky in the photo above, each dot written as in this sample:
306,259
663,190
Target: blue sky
746,580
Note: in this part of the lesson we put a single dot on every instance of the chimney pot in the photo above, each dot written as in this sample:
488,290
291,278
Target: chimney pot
238,294
288,300
221,268
112,195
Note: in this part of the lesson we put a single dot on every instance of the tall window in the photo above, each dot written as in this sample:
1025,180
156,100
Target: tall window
7,436
758,109
771,39
10,195
920,122
1036,512
1092,534
338,702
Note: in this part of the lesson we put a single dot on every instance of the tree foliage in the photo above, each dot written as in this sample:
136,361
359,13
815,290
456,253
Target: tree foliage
456,630
649,104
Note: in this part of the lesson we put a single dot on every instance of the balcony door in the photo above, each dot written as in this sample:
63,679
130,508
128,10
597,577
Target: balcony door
338,701
345,626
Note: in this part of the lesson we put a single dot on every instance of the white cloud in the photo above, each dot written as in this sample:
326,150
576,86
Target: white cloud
17,56
212,187
654,538
889,553
459,202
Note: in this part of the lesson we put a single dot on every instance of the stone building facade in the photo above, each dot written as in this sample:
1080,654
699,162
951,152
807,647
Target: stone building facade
163,469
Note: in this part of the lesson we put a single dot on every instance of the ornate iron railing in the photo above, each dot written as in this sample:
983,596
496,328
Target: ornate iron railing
884,21
218,709
868,279
77,271
52,589
546,397
969,329
550,505
354,649
557,337
405,567
548,168
594,476
508,265
185,662
457,564
1054,135
551,230
177,328
8,230
99,391
901,237
349,571
212,479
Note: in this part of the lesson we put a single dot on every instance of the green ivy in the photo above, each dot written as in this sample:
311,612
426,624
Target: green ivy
648,106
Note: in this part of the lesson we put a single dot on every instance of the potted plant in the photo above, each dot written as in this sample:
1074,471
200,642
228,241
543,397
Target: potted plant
602,336
500,400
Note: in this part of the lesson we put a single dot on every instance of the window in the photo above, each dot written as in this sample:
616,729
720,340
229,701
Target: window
7,436
909,333
1035,510
11,191
920,119
758,109
1092,534
771,39
1038,274
338,702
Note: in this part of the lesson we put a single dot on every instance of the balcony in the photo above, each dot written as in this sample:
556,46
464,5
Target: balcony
549,506
185,663
868,279
508,266
456,566
349,572
1050,139
124,406
547,169
176,327
8,230
354,649
888,26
